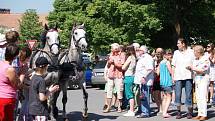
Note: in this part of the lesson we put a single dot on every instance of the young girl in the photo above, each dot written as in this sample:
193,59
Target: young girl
24,56
38,94
165,72
129,68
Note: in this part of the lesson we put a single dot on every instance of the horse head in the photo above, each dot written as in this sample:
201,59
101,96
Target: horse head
78,35
50,39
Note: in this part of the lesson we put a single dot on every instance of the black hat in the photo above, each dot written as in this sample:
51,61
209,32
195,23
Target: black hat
41,61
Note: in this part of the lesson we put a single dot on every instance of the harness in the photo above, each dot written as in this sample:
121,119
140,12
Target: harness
42,53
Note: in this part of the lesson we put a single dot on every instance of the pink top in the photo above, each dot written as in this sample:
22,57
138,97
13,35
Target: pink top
114,72
6,89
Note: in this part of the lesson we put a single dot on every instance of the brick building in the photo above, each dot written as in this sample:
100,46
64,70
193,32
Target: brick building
11,20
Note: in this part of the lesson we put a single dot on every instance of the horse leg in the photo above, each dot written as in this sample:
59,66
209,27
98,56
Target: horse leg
54,109
64,99
85,97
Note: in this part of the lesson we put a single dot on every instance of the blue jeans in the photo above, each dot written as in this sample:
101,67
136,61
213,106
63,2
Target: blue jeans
145,100
188,92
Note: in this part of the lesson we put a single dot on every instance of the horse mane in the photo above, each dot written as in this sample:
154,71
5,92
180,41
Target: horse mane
43,38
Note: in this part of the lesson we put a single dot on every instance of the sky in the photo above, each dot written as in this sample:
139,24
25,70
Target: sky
20,6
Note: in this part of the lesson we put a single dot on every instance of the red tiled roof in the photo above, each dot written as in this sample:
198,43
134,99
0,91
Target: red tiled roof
12,20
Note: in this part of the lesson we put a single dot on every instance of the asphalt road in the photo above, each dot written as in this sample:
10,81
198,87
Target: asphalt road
95,105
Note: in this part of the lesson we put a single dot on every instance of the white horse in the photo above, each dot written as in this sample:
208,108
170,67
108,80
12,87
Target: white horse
50,50
71,68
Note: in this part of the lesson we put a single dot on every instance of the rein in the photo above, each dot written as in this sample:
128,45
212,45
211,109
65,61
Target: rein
41,53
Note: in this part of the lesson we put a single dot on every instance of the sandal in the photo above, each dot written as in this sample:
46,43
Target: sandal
119,110
107,110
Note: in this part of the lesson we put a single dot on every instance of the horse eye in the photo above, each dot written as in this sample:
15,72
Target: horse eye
47,37
76,33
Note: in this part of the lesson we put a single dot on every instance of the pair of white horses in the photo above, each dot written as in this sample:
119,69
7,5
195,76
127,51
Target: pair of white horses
64,65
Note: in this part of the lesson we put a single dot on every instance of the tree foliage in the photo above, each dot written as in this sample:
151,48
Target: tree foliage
157,23
187,19
106,21
30,27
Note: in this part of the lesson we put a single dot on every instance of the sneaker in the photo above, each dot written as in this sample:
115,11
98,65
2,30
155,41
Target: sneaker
142,116
129,113
113,108
178,116
189,116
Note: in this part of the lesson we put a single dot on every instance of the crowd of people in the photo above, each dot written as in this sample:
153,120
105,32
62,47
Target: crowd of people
133,75
17,84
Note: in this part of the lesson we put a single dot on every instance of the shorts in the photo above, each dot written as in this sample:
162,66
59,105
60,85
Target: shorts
114,89
167,89
40,118
118,84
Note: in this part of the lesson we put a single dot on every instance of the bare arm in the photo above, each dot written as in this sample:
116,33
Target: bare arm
169,68
12,76
126,64
52,89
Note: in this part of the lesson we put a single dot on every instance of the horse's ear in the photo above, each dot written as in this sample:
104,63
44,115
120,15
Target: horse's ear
56,26
46,27
74,26
82,25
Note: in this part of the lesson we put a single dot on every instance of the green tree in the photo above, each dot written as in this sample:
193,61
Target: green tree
187,19
107,21
30,27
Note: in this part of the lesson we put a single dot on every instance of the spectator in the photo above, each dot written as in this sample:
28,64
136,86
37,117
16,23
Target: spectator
136,48
115,76
209,53
143,70
129,68
114,98
10,37
38,94
156,89
136,89
182,58
165,71
200,68
9,82
24,56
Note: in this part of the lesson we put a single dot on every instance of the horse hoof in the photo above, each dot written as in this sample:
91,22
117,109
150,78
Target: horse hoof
85,115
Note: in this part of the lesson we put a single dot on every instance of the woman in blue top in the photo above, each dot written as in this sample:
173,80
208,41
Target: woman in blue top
165,72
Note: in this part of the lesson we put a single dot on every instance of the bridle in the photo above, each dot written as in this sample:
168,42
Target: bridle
55,43
77,41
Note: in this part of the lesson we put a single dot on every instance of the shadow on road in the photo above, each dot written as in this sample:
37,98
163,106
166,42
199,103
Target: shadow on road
77,116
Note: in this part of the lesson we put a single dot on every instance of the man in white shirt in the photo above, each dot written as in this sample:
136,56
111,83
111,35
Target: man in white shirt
182,58
144,73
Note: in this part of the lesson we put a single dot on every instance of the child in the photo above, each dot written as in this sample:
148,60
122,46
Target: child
24,56
38,94
165,72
